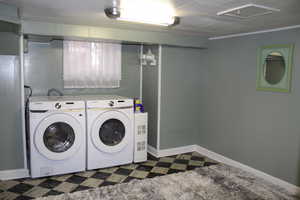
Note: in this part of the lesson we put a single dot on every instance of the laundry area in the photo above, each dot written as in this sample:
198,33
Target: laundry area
117,98
72,129
86,113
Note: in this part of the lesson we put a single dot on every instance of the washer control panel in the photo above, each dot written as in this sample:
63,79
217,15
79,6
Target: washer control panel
56,105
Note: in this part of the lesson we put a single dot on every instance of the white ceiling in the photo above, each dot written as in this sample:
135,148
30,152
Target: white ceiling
198,17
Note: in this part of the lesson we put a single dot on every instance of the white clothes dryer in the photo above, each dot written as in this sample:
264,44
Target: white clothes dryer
110,138
57,136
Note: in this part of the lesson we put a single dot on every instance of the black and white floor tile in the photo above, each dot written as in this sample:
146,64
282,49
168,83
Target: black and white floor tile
23,189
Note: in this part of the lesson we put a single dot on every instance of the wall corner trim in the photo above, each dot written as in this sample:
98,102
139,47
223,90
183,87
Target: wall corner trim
254,33
222,159
14,174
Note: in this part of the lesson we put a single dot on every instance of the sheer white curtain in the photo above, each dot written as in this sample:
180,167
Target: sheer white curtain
91,64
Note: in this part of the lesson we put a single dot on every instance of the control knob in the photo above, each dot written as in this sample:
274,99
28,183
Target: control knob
111,103
57,105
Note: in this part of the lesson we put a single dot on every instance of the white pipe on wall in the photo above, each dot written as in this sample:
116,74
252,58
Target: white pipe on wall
21,54
141,73
159,96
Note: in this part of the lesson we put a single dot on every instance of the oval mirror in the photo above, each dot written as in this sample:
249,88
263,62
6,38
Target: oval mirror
274,68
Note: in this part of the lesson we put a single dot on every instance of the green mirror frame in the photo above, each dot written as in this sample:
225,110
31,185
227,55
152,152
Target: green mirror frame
284,85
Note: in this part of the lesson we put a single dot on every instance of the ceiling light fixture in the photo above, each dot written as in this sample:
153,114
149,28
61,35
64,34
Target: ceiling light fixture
112,13
147,12
115,13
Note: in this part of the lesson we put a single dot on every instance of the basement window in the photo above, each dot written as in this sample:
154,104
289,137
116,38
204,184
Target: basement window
91,64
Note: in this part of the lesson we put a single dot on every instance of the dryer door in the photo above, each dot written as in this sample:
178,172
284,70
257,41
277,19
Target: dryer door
111,131
58,136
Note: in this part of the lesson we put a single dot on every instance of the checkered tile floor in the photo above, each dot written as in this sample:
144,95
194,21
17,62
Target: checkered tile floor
23,189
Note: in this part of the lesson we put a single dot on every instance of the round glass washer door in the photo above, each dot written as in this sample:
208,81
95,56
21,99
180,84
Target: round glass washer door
110,130
58,136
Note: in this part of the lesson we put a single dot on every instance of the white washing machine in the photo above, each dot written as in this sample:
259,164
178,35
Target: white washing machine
110,138
57,135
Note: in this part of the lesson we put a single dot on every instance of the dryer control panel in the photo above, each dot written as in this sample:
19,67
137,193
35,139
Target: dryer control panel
115,104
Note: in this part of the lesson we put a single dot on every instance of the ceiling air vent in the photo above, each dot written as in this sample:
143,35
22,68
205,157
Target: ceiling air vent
248,10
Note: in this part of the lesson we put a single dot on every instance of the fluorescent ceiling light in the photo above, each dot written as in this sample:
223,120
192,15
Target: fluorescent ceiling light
153,12
166,22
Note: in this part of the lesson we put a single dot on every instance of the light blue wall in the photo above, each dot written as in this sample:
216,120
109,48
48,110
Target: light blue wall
183,82
44,65
9,13
11,146
9,27
209,97
150,94
9,43
259,129
183,77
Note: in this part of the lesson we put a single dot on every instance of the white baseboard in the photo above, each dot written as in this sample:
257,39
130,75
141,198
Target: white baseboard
222,159
170,152
152,150
175,151
14,174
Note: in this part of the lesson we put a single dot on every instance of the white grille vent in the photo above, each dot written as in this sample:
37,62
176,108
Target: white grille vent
141,129
248,11
141,146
